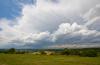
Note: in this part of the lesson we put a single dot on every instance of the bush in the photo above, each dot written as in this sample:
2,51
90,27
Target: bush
70,52
43,52
20,52
12,51
88,53
65,52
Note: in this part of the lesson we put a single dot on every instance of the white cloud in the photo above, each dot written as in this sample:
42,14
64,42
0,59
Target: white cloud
53,22
93,17
93,12
74,33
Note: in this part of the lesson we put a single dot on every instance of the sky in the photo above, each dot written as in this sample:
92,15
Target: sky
49,23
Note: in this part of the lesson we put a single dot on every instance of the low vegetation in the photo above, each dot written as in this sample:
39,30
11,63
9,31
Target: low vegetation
85,52
87,56
30,59
81,52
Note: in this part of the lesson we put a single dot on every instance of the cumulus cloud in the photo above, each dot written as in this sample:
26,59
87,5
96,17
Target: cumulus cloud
51,23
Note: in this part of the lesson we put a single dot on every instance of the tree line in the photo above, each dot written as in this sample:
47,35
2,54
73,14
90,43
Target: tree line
84,52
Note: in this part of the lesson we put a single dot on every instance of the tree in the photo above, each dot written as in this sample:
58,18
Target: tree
65,52
12,50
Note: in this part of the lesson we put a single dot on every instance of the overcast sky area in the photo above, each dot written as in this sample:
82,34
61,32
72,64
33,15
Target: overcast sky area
49,23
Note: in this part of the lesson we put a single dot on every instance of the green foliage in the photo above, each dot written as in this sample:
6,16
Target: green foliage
65,52
20,52
70,52
85,52
11,51
88,53
80,52
42,52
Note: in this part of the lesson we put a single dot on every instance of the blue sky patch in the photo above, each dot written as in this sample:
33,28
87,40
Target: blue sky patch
10,9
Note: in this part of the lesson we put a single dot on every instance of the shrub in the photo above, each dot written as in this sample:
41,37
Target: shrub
88,53
65,52
20,52
12,51
70,52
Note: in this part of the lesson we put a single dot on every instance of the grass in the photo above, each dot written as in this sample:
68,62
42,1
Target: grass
30,59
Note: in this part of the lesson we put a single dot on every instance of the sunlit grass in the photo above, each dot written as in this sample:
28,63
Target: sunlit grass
30,59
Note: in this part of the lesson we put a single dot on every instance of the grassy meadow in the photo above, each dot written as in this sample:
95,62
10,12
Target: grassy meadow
30,59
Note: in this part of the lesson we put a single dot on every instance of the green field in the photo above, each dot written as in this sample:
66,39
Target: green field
30,59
